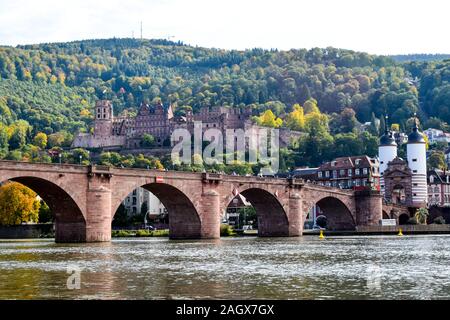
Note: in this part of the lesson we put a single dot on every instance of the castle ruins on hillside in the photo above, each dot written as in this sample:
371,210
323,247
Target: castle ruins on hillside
126,132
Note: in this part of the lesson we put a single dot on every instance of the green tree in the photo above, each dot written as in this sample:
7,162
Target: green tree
45,214
437,160
148,140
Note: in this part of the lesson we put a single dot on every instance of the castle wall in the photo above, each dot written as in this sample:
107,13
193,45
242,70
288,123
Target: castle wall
95,141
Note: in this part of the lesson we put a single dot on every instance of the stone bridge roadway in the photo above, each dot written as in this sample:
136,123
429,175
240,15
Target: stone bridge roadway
84,200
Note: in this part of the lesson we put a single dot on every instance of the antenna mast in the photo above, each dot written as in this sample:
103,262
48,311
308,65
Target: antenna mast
141,30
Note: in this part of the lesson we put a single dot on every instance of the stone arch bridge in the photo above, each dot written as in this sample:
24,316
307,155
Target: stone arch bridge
84,200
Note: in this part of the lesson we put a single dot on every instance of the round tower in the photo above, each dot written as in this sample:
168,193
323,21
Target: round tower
387,151
417,162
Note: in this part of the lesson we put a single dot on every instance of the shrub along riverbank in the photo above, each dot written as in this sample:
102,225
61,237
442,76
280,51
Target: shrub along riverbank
139,233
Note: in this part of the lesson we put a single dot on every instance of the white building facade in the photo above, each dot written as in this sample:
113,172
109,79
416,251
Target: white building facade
134,201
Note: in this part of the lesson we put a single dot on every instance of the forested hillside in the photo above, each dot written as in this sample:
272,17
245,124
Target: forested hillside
53,86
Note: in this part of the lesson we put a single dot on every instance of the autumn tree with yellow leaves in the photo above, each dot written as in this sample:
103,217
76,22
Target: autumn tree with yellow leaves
268,119
295,120
18,204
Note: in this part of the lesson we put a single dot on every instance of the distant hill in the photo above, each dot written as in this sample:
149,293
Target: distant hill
54,85
419,57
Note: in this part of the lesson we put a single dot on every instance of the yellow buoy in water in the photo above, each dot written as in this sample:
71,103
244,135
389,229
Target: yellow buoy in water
400,233
321,236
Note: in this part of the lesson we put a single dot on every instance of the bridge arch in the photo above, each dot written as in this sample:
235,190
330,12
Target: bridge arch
184,220
337,213
69,218
271,216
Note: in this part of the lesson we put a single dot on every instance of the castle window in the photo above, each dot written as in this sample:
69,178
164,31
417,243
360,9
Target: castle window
414,160
414,171
381,162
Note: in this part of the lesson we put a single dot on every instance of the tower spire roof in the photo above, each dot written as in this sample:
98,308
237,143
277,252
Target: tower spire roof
415,136
387,139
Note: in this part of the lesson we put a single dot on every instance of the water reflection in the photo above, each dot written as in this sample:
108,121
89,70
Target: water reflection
410,267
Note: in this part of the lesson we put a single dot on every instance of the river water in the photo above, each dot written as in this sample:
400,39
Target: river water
372,267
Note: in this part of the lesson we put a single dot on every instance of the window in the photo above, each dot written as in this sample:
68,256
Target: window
382,186
342,173
381,162
327,174
357,172
414,171
334,174
357,161
415,184
357,182
320,174
365,171
414,160
349,172
333,163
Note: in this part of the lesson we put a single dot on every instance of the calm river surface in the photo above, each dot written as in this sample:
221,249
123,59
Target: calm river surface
386,267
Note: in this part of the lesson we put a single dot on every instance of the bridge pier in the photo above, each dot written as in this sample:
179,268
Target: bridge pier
295,215
70,231
210,215
369,207
99,215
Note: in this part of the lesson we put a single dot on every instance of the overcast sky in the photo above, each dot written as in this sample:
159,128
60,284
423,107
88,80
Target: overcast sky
374,26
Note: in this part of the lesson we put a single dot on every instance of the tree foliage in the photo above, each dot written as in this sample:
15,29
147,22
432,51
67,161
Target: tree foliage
18,204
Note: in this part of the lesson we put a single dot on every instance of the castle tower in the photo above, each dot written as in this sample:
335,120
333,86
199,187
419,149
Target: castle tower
387,151
417,162
103,123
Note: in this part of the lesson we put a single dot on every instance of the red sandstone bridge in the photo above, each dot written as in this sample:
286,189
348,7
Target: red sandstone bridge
84,200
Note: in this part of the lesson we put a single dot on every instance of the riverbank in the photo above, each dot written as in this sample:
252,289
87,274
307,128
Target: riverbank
37,231
387,230
27,231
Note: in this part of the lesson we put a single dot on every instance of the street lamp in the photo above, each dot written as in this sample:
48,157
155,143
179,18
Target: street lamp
81,157
60,156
